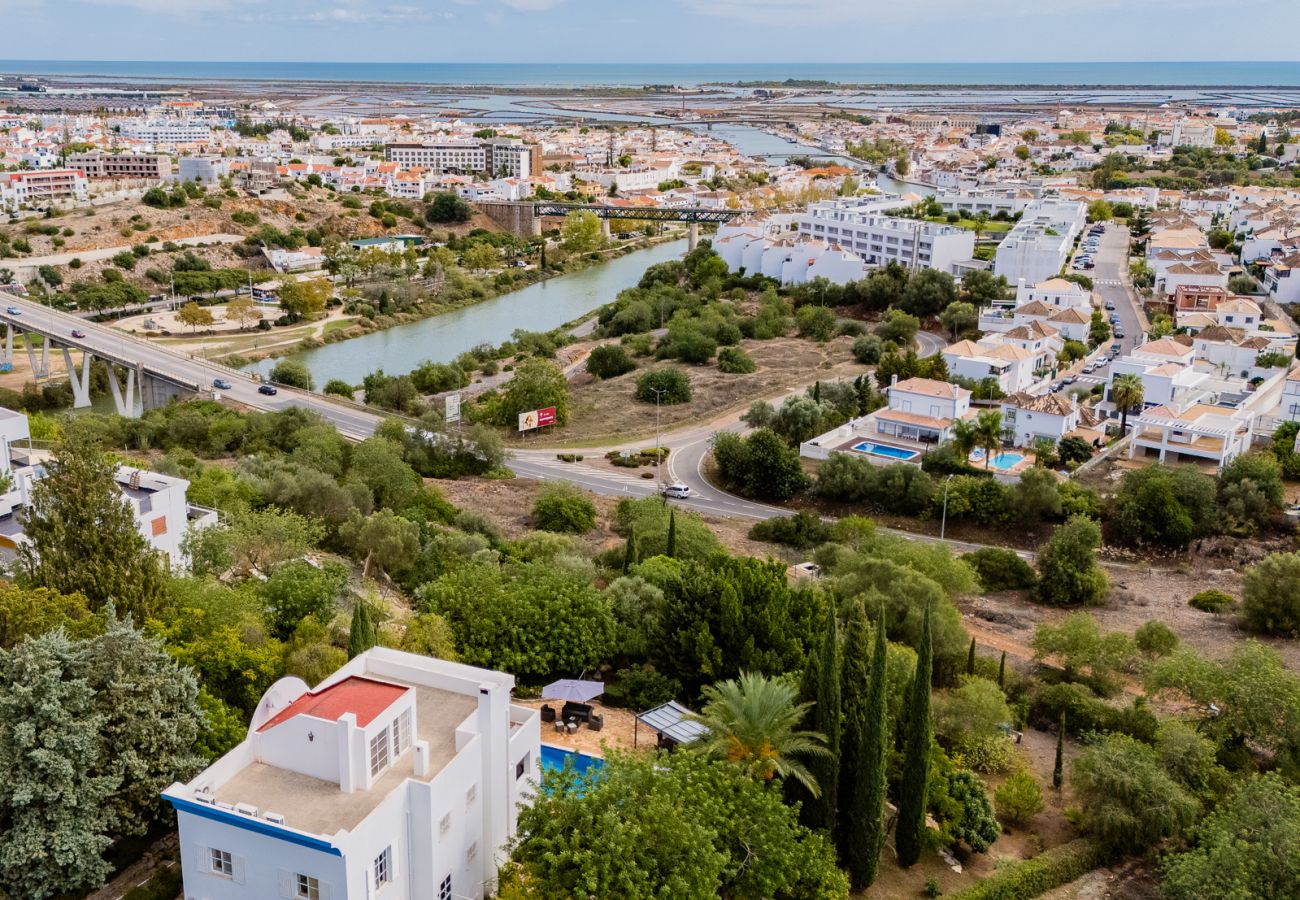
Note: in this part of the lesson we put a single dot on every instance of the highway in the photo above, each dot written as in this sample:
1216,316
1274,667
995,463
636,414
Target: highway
112,344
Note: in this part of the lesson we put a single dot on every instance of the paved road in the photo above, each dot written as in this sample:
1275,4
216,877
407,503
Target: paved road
1110,282
185,369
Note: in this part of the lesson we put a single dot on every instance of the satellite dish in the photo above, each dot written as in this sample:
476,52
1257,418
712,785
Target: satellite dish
276,698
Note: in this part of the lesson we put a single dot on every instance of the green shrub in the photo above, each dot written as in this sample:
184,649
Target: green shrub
164,885
1084,712
1019,798
1000,569
868,349
1212,601
801,531
1049,869
1270,595
564,508
735,361
1155,638
669,385
640,688
244,217
609,361
339,388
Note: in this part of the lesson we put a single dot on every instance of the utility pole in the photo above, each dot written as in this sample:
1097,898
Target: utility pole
659,450
943,523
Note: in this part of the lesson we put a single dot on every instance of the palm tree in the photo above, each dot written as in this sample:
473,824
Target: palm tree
964,438
988,431
1126,391
753,721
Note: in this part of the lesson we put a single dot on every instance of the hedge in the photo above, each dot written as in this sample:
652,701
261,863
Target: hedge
164,885
1049,869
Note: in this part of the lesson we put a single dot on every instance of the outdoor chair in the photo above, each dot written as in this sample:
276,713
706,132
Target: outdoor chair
548,712
596,723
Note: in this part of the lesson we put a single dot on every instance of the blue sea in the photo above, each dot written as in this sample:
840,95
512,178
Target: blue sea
1171,74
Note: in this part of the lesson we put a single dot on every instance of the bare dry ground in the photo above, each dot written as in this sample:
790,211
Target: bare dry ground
607,412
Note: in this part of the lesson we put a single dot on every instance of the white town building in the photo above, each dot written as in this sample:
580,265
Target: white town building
398,777
861,226
1037,248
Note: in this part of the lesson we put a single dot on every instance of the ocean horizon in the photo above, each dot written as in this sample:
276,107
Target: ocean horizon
1245,74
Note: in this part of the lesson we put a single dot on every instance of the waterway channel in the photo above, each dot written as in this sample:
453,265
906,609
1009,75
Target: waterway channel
538,307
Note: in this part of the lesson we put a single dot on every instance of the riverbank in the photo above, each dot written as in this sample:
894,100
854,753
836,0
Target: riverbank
545,305
245,349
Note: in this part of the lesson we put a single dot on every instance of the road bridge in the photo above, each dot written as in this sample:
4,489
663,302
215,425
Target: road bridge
146,375
524,218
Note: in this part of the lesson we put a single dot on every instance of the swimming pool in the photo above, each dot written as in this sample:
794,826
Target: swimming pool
554,758
873,449
1004,461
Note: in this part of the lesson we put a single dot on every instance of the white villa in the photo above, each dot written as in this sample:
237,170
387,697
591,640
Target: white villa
158,504
920,413
397,777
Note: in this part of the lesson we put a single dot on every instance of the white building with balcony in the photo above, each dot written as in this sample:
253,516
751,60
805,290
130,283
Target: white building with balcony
1038,247
861,226
1011,366
158,505
920,413
398,777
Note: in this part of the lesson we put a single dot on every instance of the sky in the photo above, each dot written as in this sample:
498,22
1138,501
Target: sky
648,31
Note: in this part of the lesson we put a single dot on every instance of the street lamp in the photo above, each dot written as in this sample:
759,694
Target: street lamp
659,452
943,523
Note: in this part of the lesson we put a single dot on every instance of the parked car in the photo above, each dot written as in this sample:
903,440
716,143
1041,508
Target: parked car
78,333
677,491
268,389
221,384
1119,334
1110,304
13,311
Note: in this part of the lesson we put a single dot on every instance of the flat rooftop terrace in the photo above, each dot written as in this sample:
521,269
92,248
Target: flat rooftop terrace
320,807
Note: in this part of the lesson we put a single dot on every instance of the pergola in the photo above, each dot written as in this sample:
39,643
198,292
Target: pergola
673,724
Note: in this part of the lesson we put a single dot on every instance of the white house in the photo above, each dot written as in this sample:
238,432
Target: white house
1195,432
1056,293
397,777
1038,246
1289,407
920,413
1011,366
1026,418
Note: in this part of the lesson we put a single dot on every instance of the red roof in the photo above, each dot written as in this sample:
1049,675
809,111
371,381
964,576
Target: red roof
361,696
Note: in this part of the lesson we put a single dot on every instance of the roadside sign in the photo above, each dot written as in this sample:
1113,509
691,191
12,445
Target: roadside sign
453,408
537,418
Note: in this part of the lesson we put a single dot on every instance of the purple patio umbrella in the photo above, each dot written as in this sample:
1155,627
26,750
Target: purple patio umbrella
573,689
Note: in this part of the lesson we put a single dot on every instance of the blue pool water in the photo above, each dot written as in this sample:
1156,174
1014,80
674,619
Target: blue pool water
1006,461
554,758
884,450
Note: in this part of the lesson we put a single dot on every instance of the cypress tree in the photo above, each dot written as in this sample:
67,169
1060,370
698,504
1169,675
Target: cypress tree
629,553
817,391
822,689
970,658
361,636
1002,671
671,549
910,834
1057,768
854,690
873,774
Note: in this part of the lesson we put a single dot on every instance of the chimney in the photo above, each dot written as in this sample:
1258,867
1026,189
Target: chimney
421,762
893,379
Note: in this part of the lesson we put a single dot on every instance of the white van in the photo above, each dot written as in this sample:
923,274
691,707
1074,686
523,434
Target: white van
677,491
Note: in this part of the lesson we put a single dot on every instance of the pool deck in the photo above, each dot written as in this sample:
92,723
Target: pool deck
1015,471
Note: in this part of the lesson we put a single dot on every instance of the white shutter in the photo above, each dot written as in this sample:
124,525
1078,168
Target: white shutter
288,882
237,869
324,891
204,857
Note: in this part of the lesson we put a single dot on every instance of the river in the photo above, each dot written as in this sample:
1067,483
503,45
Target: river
538,307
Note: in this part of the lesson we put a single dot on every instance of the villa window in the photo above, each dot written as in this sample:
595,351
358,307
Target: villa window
384,868
444,889
402,733
308,888
379,757
221,863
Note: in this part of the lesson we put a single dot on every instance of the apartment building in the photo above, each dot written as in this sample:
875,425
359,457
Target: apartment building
167,132
34,190
991,201
203,169
862,227
499,157
397,777
100,165
158,503
1039,245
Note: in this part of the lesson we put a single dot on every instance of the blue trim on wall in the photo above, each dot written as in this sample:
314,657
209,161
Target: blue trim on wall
248,823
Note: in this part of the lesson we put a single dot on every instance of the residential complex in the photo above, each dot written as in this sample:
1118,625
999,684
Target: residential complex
496,157
861,226
399,776
1039,245
97,164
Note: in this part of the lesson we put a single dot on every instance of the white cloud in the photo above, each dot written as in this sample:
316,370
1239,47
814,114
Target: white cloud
929,12
532,5
173,7
370,15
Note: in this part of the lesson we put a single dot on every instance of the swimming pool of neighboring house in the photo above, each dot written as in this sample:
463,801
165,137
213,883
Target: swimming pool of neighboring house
897,453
